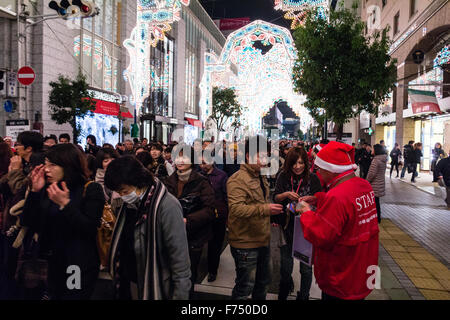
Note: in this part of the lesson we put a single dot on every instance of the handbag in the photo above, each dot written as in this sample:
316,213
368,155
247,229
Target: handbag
441,183
105,231
190,204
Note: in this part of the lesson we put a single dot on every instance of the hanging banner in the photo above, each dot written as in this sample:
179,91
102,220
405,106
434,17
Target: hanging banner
424,101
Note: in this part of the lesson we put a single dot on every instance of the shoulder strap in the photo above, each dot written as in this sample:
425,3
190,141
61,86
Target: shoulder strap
85,187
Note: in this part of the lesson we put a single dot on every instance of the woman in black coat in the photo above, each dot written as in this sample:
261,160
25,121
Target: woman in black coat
196,196
65,212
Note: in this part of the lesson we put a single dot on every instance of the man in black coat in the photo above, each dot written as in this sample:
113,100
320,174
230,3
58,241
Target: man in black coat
407,151
443,172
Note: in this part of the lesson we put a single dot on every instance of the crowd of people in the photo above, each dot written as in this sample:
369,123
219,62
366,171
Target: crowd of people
168,209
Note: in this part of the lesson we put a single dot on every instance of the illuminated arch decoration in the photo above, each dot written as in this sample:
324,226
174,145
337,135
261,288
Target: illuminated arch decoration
264,55
158,15
295,10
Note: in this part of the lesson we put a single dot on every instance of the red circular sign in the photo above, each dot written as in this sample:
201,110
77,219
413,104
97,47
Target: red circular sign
26,76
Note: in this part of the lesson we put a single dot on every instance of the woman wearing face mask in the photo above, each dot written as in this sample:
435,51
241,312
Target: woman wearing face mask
65,214
295,180
149,257
189,186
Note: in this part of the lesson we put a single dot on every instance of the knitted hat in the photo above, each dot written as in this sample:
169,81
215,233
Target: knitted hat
336,157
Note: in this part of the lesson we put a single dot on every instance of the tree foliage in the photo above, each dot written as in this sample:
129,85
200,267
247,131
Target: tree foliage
340,70
225,106
69,99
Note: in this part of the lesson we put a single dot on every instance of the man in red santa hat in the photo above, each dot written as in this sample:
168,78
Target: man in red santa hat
344,228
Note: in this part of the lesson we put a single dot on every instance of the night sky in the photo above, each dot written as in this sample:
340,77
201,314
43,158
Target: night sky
255,9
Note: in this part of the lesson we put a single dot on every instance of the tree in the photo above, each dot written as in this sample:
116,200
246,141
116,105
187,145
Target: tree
225,106
340,70
69,99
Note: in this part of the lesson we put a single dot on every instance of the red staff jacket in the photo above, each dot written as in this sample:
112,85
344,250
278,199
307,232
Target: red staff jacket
344,233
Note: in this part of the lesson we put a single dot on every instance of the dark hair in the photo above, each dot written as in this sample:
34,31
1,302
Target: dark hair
52,136
145,158
379,149
31,139
140,147
108,145
127,170
157,146
92,166
291,159
258,141
168,149
73,162
136,140
381,141
64,136
411,142
180,149
93,139
104,153
5,157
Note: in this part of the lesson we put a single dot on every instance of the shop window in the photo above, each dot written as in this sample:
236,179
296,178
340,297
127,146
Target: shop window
396,22
412,7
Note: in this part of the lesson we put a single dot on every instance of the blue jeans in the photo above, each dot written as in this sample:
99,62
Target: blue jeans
252,273
402,175
286,267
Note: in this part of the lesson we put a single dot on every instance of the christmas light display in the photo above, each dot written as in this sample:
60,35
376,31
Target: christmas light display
443,57
154,19
296,9
264,55
158,15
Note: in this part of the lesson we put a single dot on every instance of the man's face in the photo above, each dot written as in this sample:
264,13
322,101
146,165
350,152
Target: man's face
258,161
22,151
205,167
167,155
63,140
144,142
129,145
326,175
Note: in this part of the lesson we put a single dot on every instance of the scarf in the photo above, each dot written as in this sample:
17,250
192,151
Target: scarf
184,176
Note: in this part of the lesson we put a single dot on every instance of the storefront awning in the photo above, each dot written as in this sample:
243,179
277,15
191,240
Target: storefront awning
195,122
109,108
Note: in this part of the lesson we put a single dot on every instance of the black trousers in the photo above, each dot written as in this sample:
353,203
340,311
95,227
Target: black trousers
377,202
194,254
215,245
394,164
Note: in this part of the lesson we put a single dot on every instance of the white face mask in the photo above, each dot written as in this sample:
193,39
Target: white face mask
131,198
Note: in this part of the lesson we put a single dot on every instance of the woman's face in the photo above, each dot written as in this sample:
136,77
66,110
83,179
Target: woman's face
106,162
438,146
155,153
53,172
298,167
183,163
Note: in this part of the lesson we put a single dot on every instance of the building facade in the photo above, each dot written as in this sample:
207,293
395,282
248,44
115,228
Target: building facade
65,47
416,28
171,111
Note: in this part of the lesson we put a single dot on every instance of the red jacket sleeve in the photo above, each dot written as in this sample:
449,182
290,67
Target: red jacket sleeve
323,228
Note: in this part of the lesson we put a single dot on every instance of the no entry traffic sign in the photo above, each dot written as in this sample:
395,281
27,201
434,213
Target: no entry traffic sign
26,76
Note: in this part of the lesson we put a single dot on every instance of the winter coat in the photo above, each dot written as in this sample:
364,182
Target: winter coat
416,154
158,168
161,263
376,175
443,169
198,223
437,153
218,180
408,153
69,234
395,155
344,233
249,210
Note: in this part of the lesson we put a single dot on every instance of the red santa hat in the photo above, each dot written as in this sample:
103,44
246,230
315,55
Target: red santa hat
336,157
